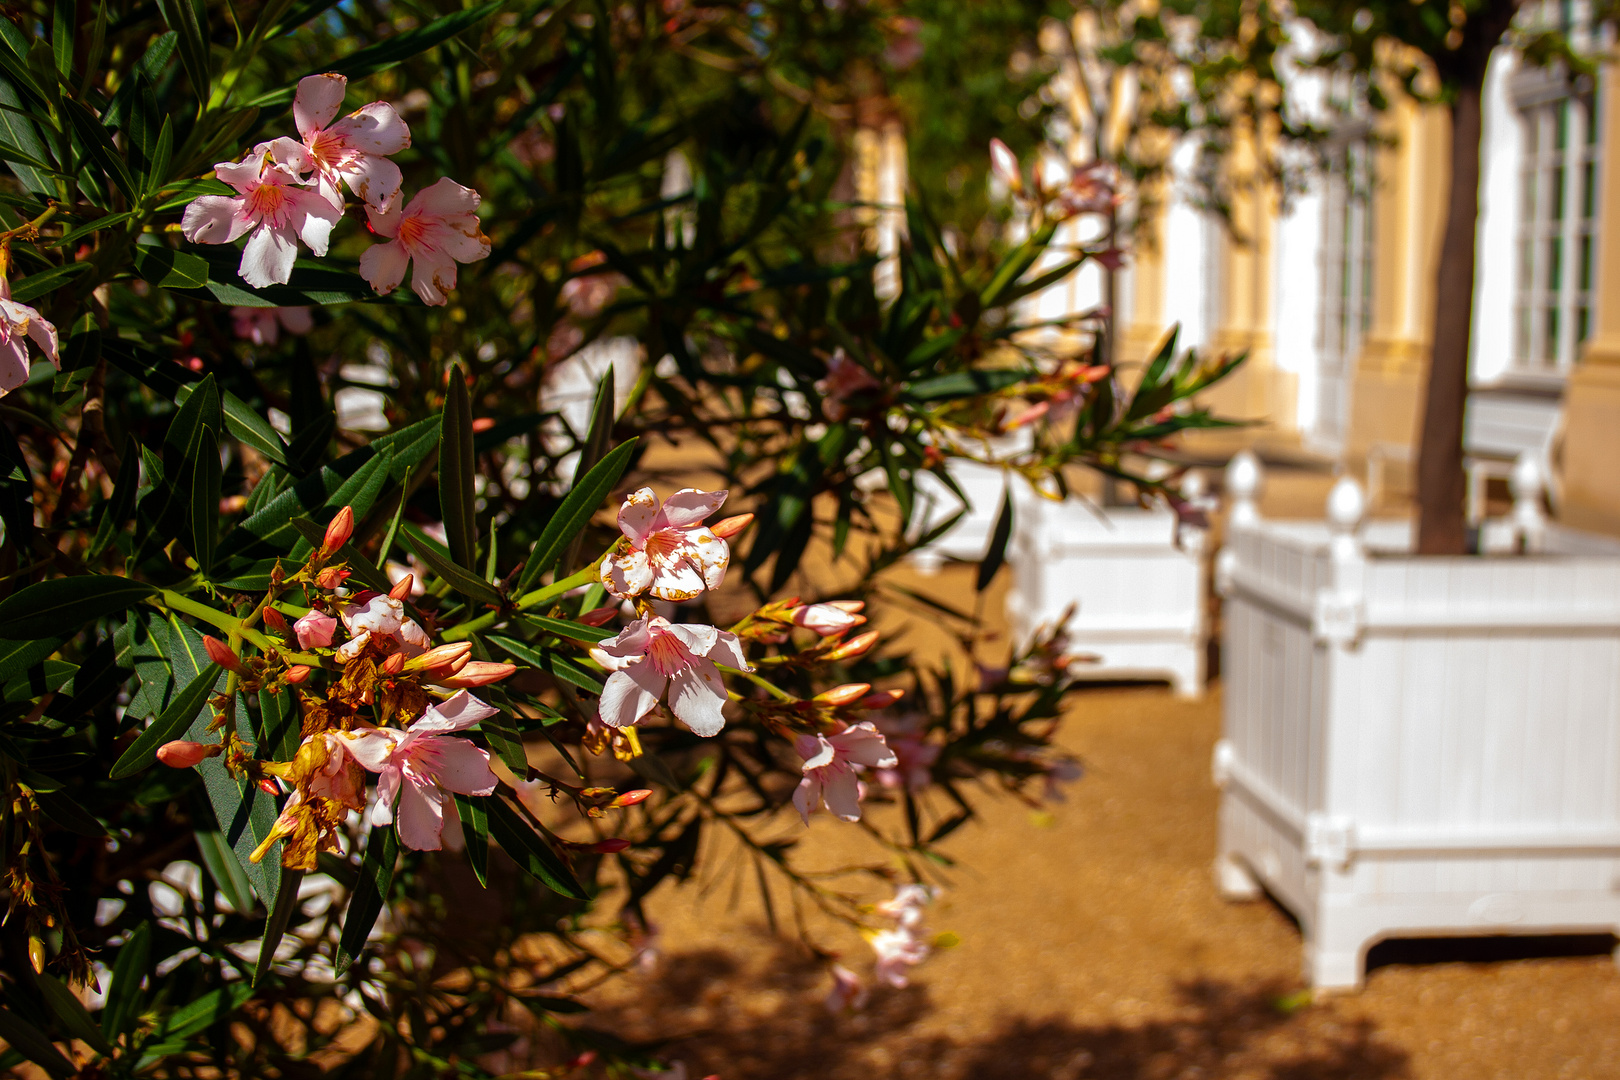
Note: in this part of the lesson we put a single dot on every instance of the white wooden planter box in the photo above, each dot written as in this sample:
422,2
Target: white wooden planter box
984,486
1419,746
1137,582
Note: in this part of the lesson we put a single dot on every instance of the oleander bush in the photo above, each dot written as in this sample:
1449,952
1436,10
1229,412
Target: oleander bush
363,675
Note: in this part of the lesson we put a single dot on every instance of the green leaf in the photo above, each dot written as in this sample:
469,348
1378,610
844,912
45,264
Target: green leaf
207,1010
17,657
370,895
158,174
575,512
32,1044
16,492
275,927
116,510
124,996
475,827
101,148
227,873
253,429
71,1014
996,553
169,268
553,664
279,739
62,809
436,556
961,384
531,853
182,19
364,569
567,628
61,606
20,132
205,502
458,473
394,50
171,724
63,29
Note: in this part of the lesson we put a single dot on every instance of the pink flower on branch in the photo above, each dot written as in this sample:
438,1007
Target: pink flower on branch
845,380
18,321
830,763
418,765
272,206
437,229
263,326
671,555
353,150
315,630
897,952
653,655
830,618
380,615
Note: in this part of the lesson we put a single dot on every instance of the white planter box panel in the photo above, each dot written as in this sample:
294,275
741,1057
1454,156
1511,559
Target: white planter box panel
1420,746
984,486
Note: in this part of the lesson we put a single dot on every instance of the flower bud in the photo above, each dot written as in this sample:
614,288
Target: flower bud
36,953
297,673
183,754
829,619
843,695
276,621
394,664
442,659
476,673
630,798
731,526
221,654
855,646
402,587
331,577
611,846
599,616
880,700
339,531
268,786
315,630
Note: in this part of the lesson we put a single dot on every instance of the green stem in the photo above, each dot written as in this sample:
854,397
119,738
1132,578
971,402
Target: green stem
525,602
765,684
233,625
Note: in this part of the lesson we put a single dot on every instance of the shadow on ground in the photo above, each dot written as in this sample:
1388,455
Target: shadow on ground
764,1020
1487,950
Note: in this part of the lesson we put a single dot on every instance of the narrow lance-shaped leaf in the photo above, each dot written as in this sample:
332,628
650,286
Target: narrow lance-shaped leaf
530,851
276,925
575,512
475,827
124,996
996,553
171,724
458,473
370,895
62,606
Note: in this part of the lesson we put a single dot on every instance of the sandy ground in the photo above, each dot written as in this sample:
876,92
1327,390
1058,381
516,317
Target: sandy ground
1093,944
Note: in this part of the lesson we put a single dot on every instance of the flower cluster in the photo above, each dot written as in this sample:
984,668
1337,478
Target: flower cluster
900,946
19,321
290,190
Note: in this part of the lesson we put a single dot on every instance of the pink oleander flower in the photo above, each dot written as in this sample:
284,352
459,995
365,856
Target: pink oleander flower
436,230
352,150
672,555
1090,189
830,618
263,325
272,205
914,757
315,630
18,321
418,765
897,951
1004,163
829,768
652,655
845,380
848,993
380,615
907,904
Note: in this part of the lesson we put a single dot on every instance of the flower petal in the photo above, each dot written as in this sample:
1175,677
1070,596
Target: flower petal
373,748
689,506
696,695
214,219
629,575
318,99
636,515
727,650
268,257
383,265
314,218
677,583
433,274
842,793
806,797
457,713
375,129
13,363
388,784
462,767
629,647
421,817
376,180
385,221
444,199
630,694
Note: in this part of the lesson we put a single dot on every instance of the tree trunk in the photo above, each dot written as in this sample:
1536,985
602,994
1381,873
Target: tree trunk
1441,526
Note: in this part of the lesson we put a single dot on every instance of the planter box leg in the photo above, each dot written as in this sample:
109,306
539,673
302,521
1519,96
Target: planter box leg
1334,958
1233,879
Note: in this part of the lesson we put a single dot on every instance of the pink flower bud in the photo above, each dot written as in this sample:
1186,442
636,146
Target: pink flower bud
339,531
855,646
394,664
183,754
442,659
843,695
296,674
402,587
611,846
828,619
221,654
630,798
599,616
731,526
1005,165
315,630
268,786
476,673
880,700
331,578
276,621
